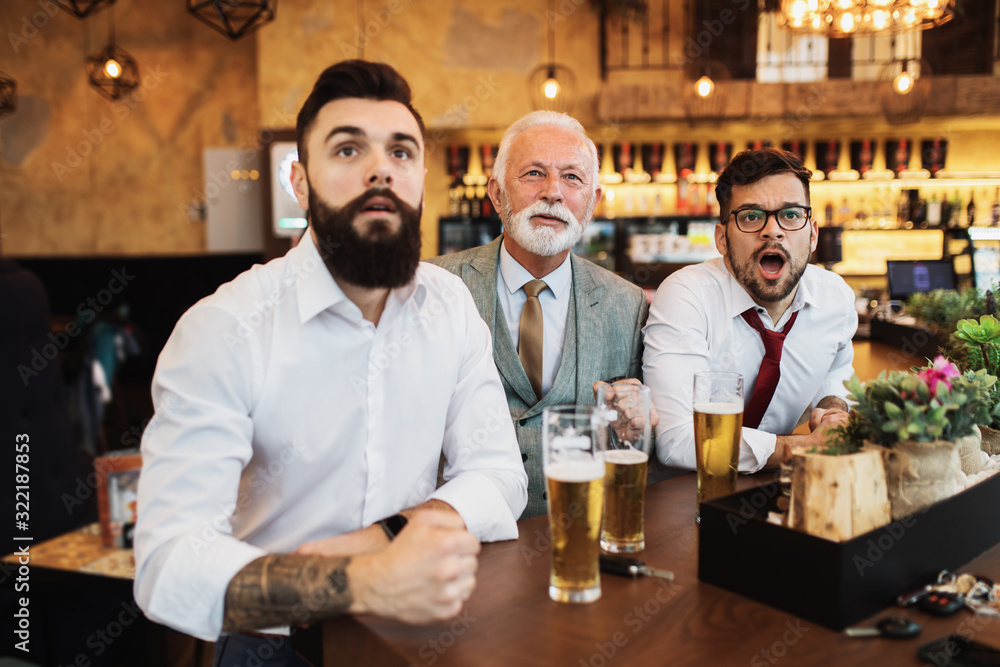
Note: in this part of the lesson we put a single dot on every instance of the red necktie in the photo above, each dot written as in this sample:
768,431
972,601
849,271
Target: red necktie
770,368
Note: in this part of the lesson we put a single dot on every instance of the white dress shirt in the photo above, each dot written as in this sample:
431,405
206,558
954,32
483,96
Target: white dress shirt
695,325
511,279
283,416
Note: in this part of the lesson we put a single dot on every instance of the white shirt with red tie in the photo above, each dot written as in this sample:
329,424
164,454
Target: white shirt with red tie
695,324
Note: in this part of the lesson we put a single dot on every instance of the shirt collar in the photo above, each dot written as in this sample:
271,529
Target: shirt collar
741,299
516,276
318,291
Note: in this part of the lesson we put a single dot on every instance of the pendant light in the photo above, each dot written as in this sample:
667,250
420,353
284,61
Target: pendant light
112,71
704,94
233,18
552,86
904,86
8,95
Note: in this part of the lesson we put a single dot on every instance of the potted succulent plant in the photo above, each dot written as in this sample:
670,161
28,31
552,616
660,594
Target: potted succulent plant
919,421
979,340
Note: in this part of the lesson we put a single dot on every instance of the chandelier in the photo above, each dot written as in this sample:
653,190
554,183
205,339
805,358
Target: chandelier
844,18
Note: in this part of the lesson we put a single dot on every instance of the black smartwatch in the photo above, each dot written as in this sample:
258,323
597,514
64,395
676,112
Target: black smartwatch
393,525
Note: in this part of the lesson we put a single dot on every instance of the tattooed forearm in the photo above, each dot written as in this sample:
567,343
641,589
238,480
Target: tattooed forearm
281,590
832,402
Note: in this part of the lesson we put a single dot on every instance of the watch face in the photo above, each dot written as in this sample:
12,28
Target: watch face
285,172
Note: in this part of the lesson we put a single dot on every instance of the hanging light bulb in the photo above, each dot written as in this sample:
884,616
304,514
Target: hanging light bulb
704,87
551,87
113,69
903,84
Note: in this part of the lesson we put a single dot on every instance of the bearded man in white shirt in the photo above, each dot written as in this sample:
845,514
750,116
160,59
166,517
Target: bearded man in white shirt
302,409
717,315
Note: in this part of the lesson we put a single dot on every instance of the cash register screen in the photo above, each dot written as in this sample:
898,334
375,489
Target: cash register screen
907,277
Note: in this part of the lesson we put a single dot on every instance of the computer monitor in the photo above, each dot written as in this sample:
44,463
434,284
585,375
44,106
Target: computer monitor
922,275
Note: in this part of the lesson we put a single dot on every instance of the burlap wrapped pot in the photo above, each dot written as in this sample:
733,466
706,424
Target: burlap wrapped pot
970,450
919,474
991,440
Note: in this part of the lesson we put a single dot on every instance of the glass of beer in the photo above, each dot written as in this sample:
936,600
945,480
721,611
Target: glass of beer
626,408
573,442
718,422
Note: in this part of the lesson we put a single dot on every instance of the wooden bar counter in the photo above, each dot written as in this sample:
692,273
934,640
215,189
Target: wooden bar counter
509,620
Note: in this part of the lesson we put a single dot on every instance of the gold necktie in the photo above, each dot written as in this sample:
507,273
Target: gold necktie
529,347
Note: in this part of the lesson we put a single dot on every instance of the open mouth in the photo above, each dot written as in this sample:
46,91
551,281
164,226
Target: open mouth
379,205
771,263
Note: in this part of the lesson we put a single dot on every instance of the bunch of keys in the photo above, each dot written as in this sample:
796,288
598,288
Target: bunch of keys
945,597
892,627
631,567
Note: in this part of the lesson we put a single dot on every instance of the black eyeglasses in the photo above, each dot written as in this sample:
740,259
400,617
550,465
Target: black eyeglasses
790,218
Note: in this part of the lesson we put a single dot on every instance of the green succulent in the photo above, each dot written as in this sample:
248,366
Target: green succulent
900,406
944,308
980,350
971,332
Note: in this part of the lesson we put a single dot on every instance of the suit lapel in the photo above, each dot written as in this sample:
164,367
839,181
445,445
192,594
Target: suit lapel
481,277
588,294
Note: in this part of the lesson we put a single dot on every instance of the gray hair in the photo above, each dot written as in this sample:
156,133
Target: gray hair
536,119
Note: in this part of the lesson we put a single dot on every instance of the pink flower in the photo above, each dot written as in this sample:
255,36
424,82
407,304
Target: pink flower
941,370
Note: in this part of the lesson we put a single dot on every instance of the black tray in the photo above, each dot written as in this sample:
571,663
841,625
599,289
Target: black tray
837,584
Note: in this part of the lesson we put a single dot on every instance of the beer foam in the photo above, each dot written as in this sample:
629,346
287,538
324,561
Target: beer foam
625,456
576,471
719,408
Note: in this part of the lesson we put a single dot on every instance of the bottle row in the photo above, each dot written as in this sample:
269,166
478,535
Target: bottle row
912,209
660,162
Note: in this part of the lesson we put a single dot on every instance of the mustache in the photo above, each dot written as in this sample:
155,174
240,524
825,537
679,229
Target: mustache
358,203
552,210
775,248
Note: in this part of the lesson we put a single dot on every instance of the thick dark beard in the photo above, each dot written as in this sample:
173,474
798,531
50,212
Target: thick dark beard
382,259
761,289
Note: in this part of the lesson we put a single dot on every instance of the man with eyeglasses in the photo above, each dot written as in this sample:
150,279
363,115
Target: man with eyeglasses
761,310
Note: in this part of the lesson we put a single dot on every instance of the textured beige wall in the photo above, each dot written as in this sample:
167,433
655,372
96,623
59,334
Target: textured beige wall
468,64
85,176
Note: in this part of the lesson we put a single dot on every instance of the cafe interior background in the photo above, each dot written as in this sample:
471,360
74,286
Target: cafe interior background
167,177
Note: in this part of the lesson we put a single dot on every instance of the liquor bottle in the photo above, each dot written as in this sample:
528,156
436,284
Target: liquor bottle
970,210
828,214
713,202
455,199
862,215
903,208
996,208
956,210
934,212
945,210
845,213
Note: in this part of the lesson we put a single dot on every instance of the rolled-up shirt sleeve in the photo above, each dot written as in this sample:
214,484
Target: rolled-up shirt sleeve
484,476
194,450
676,340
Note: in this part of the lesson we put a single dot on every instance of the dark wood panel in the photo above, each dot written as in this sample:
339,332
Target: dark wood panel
965,44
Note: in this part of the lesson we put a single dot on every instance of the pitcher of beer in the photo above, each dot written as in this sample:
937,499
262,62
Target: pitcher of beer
626,408
574,438
718,424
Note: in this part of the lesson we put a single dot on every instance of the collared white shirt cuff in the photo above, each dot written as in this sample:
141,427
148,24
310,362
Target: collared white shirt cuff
757,450
481,505
204,603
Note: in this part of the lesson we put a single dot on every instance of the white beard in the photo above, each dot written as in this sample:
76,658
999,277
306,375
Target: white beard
542,240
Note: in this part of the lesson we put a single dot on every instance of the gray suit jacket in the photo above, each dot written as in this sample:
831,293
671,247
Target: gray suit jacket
603,340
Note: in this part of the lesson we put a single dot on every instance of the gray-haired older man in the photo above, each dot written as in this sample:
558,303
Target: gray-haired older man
560,323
